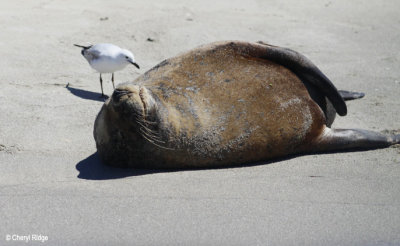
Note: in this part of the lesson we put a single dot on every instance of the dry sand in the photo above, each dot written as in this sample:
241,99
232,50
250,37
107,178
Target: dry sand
53,185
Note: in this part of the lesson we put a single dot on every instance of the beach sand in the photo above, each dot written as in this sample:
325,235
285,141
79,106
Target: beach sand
52,183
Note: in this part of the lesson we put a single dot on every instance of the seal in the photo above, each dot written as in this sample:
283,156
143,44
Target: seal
223,104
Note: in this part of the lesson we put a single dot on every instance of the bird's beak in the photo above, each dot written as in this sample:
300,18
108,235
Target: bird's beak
135,64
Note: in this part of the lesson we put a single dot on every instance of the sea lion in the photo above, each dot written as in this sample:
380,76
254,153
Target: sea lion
226,103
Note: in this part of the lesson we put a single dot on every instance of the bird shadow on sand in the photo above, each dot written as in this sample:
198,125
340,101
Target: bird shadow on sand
92,168
88,95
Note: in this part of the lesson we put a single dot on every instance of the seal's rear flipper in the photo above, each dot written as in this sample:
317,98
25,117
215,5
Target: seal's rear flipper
351,95
353,139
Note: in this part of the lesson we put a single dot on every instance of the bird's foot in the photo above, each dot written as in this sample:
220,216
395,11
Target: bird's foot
104,96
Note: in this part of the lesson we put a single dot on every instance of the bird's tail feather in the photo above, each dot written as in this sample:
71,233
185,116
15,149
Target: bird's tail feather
83,47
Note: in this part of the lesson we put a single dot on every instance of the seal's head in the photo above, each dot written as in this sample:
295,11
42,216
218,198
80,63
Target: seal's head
127,121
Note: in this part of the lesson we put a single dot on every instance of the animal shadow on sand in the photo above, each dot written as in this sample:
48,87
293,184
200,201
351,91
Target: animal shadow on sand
92,168
84,94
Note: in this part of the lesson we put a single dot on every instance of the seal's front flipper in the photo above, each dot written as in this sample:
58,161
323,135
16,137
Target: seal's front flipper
351,95
303,68
353,139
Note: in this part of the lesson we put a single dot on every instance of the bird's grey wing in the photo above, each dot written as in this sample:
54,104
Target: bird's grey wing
91,54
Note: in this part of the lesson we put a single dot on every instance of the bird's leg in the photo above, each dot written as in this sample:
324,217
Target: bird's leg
101,85
112,79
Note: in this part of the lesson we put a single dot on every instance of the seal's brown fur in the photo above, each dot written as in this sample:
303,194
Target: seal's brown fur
221,104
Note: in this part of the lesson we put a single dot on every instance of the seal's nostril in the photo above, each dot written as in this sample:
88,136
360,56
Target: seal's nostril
118,93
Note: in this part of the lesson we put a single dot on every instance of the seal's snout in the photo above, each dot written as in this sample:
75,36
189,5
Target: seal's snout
119,93
129,98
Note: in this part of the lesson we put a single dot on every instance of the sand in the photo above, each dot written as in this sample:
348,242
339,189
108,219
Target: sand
53,184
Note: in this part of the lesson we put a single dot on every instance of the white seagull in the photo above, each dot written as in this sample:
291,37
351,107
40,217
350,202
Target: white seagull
107,58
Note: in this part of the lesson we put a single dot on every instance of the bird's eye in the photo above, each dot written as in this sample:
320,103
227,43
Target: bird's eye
126,57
